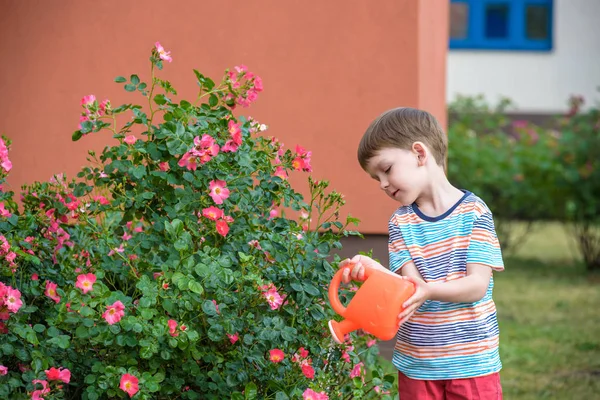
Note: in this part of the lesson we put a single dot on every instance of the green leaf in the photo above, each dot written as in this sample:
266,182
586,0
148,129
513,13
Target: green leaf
177,277
88,322
139,171
145,302
209,308
145,284
289,333
174,228
76,136
248,339
251,391
182,284
192,335
147,314
62,341
180,130
297,287
98,367
121,108
183,242
159,377
130,88
32,337
160,99
202,270
120,79
195,287
176,146
188,176
311,289
215,333
146,352
7,349
86,127
237,396
352,220
135,79
199,76
209,84
39,328
244,257
86,311
81,332
281,396
213,100
169,306
317,314
152,386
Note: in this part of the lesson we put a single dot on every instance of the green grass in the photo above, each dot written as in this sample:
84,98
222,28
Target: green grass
549,317
548,242
549,330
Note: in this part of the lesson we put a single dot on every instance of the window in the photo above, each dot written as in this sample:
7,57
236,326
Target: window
501,24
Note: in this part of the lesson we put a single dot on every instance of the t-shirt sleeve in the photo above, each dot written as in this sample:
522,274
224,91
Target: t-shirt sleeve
399,254
484,247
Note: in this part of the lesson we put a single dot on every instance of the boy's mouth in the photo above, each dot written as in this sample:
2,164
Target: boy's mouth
395,193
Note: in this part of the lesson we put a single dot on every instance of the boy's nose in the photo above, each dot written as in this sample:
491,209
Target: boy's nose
384,184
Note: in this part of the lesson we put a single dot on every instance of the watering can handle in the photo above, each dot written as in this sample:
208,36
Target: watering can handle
334,288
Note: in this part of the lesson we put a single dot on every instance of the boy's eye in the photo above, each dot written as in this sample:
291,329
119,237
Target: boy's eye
388,170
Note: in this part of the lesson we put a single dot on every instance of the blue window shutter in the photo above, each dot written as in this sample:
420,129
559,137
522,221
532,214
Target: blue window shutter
517,30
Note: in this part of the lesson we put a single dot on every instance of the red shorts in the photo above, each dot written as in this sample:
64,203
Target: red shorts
479,388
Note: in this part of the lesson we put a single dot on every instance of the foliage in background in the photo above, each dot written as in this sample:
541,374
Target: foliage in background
510,165
526,173
169,270
579,182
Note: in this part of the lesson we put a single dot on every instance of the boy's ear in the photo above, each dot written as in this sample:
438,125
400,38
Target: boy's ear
420,150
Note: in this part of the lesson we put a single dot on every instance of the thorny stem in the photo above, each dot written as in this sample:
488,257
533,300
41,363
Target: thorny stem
150,98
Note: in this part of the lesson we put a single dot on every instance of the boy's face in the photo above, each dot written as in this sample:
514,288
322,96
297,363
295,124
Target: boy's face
399,174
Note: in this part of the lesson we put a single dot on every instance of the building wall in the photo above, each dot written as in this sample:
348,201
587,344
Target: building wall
329,68
538,82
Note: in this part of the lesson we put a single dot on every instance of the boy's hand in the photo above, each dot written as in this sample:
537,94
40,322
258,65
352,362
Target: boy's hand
357,270
411,305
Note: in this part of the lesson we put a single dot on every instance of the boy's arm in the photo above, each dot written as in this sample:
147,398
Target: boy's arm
410,270
469,289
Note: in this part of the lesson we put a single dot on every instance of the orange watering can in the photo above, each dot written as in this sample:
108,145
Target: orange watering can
375,306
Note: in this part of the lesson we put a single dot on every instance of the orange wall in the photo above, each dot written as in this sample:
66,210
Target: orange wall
329,67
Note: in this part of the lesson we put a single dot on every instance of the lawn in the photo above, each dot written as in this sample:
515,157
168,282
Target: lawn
549,316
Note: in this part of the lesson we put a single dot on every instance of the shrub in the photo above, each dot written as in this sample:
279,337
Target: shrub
511,165
579,182
169,268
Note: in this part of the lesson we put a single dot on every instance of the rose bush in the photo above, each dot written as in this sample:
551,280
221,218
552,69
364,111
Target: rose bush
512,165
169,269
526,173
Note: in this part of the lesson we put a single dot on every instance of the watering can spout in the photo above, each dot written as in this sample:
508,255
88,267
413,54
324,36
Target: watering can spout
340,329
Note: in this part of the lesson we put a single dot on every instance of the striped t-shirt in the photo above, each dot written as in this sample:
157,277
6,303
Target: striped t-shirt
447,340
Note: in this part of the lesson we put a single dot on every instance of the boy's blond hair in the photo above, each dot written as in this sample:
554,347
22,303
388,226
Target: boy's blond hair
400,128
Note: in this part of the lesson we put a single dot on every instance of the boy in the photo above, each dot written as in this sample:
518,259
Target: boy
443,240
